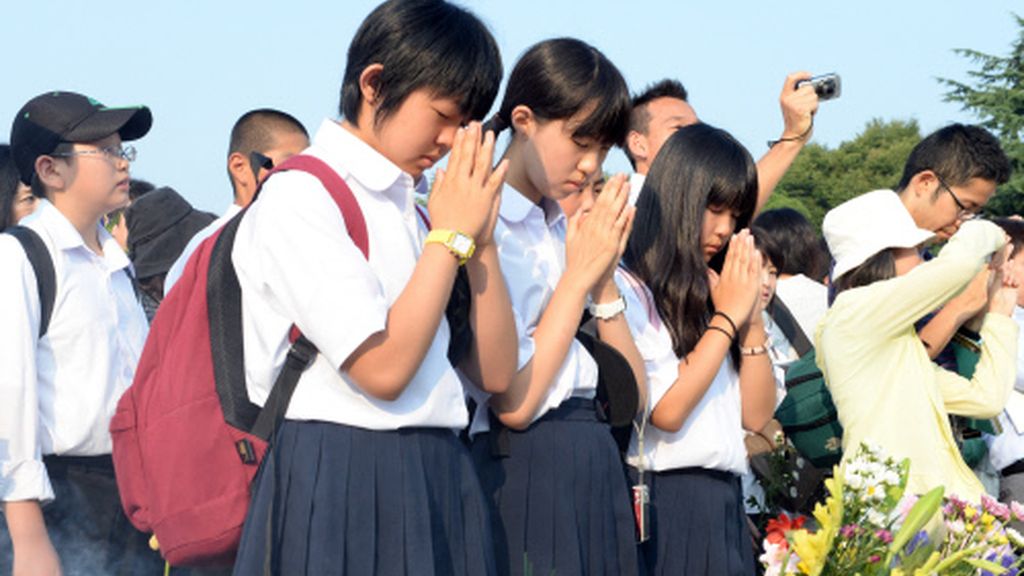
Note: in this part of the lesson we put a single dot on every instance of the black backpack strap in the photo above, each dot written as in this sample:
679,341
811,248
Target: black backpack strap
789,326
300,356
224,305
42,264
224,313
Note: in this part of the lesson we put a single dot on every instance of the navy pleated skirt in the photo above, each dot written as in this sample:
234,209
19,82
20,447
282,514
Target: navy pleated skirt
333,499
697,523
560,492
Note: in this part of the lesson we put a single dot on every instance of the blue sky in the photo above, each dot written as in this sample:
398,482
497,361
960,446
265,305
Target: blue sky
201,64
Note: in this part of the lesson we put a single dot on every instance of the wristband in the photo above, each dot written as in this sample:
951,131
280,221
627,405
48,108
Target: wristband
607,310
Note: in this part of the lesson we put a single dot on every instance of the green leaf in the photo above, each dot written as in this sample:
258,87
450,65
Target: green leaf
986,565
923,510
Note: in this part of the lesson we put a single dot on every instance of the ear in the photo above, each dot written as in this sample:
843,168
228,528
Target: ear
369,91
52,173
369,83
523,120
637,144
924,183
242,179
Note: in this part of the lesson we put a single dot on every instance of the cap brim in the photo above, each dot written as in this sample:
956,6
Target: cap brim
131,123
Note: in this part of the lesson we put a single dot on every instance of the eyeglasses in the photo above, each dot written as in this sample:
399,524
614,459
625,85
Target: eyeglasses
964,212
111,152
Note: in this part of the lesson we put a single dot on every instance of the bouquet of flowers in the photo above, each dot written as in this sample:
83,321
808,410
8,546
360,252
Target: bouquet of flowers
868,526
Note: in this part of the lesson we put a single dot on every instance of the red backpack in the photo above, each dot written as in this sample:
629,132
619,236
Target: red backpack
187,442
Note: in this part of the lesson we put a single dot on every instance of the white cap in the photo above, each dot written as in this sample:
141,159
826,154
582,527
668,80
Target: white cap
864,226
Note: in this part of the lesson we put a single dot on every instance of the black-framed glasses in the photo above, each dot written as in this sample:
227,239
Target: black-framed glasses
110,152
964,213
259,161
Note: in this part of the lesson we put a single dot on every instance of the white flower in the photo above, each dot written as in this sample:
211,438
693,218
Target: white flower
875,517
1015,538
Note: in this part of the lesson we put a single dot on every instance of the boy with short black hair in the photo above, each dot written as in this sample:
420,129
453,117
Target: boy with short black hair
58,390
260,140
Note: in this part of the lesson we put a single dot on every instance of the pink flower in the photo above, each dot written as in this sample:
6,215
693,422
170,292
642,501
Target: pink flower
995,508
848,531
1018,510
906,504
884,535
874,558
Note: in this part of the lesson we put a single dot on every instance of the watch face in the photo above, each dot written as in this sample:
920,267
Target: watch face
462,244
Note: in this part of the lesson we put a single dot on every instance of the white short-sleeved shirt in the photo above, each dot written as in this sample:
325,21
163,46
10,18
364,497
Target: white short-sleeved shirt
1008,446
531,248
712,436
58,393
179,265
806,299
297,264
636,183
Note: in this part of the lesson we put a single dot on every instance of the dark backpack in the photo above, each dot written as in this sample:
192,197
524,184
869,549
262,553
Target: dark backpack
807,414
187,442
42,265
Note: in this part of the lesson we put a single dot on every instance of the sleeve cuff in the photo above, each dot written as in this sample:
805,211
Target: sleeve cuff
25,480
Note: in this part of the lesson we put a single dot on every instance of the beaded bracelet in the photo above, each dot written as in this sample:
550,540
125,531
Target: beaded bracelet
754,350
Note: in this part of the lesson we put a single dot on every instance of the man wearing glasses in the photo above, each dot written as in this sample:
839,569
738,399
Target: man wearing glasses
950,176
947,180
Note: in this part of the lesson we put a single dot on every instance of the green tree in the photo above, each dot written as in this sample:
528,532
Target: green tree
995,94
821,178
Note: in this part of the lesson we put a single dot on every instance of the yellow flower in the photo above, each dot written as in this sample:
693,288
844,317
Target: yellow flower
987,519
813,549
970,512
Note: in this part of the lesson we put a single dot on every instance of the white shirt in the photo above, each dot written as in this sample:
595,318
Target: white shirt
806,299
58,393
297,264
712,436
179,265
1008,447
531,249
636,183
781,353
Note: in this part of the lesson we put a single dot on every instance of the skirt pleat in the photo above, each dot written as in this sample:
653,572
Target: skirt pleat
698,524
562,501
333,499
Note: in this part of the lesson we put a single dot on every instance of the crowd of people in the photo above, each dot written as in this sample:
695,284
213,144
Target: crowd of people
419,441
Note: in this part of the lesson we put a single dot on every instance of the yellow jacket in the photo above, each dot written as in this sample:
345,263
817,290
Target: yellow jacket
886,389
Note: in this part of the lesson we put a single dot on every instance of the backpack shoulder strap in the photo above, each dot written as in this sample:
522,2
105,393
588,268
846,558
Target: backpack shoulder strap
303,352
42,264
424,216
339,191
789,326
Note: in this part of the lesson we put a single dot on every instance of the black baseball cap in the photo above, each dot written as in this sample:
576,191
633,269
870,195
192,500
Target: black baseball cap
56,117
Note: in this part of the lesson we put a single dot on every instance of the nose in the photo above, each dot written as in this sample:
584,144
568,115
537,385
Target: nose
587,198
589,163
725,224
446,137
